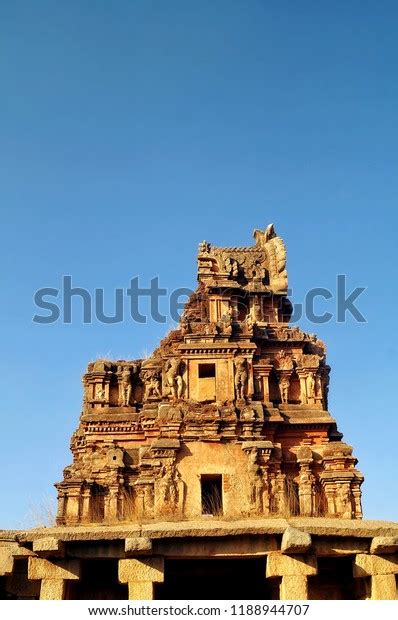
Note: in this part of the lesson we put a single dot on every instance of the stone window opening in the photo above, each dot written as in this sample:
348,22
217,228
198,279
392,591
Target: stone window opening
211,493
207,382
207,371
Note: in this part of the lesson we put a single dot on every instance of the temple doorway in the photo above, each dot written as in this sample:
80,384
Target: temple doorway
216,579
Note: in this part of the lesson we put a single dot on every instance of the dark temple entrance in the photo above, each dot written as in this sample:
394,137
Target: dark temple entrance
214,579
98,581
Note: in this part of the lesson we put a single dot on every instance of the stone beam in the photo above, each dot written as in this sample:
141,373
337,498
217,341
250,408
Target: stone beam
332,547
53,576
294,571
140,575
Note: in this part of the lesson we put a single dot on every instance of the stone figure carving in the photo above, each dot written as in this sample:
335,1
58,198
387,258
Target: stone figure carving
152,383
284,385
249,324
168,490
310,385
241,378
256,483
174,380
204,247
225,323
124,386
276,256
283,361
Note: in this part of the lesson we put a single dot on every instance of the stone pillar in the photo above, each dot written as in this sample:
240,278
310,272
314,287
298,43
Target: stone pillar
53,575
263,371
284,377
6,559
382,571
302,374
294,572
60,518
86,495
306,491
140,575
73,506
356,494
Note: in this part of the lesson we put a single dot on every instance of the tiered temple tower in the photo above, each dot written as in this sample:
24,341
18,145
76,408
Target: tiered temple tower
229,416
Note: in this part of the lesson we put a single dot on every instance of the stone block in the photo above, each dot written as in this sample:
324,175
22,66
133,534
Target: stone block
52,590
141,591
49,546
6,560
384,544
40,568
365,565
295,541
279,565
147,569
138,546
384,588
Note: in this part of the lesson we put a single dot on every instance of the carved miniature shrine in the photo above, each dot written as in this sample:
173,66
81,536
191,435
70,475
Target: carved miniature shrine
229,416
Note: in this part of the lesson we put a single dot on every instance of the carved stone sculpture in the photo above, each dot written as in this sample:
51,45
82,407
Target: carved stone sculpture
124,386
152,383
225,324
168,489
310,385
256,483
174,380
241,378
284,385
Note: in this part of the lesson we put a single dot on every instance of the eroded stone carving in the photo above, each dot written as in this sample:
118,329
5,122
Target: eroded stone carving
124,385
256,483
241,378
173,378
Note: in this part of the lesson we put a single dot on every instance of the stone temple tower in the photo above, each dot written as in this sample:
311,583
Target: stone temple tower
212,469
229,416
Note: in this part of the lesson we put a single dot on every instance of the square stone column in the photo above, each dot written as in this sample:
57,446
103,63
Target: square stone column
294,571
382,571
53,575
140,575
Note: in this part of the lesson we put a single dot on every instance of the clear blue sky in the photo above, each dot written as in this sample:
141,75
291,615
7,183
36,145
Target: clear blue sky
132,130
